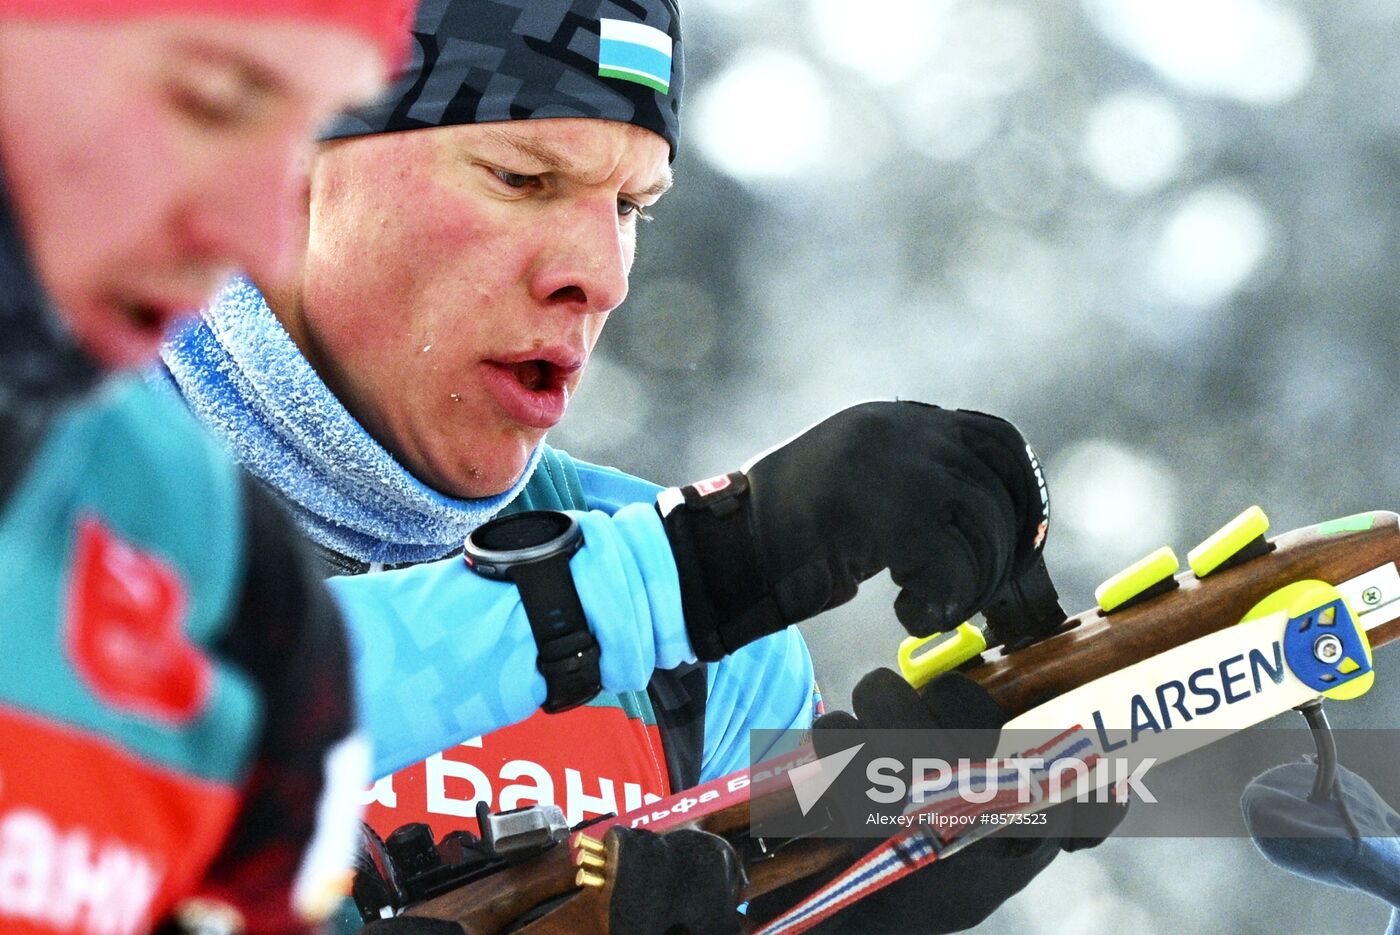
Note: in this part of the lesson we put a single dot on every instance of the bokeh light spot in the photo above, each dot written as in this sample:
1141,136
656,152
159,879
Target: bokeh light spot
1254,51
1114,502
766,115
885,44
1210,244
1134,141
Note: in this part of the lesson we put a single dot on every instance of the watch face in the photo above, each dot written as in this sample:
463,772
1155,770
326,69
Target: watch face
522,531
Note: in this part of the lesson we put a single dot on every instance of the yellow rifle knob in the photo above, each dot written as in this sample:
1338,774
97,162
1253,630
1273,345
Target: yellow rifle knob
1237,538
1139,580
923,658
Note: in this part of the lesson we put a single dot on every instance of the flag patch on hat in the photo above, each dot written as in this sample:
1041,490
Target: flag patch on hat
634,52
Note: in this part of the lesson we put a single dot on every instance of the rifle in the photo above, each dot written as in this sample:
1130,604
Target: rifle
1321,596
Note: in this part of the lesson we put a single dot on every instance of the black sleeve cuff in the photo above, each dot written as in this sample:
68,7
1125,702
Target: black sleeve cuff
727,603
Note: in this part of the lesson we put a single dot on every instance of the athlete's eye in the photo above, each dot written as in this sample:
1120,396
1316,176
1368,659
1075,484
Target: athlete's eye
218,95
514,179
628,209
212,104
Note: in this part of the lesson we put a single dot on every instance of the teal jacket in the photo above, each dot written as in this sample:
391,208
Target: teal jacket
170,671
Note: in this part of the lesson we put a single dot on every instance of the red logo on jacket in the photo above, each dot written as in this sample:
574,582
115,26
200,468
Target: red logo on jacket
125,633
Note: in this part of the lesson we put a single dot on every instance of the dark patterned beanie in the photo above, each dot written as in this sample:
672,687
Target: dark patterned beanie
482,61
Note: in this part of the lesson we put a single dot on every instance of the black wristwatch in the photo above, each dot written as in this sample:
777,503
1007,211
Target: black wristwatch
533,550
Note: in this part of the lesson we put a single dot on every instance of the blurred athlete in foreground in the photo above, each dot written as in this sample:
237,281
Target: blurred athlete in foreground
176,746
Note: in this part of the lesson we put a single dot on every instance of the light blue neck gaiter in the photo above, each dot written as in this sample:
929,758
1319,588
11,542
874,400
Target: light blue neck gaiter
245,379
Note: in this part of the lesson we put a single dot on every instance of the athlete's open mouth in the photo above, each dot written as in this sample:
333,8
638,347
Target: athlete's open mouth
534,391
536,374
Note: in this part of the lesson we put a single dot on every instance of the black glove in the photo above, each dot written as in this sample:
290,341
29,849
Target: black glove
951,502
683,883
960,892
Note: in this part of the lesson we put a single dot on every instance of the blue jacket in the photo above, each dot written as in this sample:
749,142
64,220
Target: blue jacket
412,663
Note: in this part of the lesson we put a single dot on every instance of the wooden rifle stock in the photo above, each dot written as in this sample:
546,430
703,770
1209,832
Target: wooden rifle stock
1093,644
1086,647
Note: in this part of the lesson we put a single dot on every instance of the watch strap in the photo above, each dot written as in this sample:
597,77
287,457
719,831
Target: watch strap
568,652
